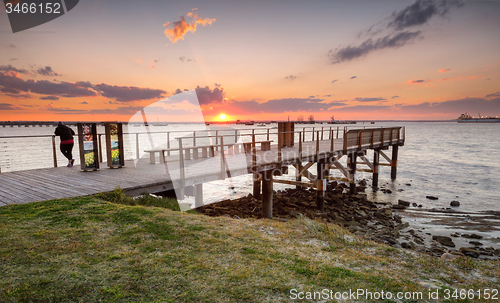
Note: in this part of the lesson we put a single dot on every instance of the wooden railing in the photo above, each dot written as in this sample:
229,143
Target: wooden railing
306,134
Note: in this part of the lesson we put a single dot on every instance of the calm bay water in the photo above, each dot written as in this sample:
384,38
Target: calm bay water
445,159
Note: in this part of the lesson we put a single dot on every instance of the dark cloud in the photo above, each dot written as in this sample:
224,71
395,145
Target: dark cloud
349,53
353,77
7,68
182,59
335,80
370,99
84,102
419,13
128,93
13,59
8,106
497,94
283,105
394,97
83,84
11,46
18,96
53,98
10,83
363,108
291,77
416,81
47,71
394,31
207,96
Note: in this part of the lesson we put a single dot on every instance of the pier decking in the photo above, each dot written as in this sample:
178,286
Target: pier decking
178,172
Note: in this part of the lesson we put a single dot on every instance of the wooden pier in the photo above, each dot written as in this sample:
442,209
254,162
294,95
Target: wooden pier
183,169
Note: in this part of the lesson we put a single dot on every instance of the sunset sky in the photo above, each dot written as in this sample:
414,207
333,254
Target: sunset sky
258,60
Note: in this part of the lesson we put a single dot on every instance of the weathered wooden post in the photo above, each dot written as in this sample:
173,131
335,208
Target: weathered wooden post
352,172
137,145
376,161
257,178
267,194
298,176
168,143
331,141
216,141
54,153
100,147
317,146
320,185
198,195
222,159
394,162
182,171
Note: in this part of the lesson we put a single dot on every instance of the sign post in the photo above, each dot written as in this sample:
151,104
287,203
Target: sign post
87,140
114,144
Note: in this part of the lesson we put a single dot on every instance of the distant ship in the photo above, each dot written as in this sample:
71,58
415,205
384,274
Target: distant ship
333,121
466,118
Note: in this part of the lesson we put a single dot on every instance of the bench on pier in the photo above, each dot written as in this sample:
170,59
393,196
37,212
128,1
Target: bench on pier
207,150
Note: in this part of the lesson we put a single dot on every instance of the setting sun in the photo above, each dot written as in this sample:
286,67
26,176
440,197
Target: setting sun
222,116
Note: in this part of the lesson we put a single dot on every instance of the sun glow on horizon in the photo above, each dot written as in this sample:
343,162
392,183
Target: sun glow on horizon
222,116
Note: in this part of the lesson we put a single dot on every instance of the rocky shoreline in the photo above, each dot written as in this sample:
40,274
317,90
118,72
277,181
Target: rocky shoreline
380,222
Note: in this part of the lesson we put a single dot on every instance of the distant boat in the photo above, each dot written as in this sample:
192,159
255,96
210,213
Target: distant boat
261,124
250,123
466,118
333,121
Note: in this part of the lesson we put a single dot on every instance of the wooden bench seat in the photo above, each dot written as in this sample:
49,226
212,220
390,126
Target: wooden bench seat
207,150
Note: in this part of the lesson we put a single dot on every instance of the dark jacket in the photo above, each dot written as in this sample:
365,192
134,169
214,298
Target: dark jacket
65,132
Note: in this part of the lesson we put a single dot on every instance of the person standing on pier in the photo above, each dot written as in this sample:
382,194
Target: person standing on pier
67,141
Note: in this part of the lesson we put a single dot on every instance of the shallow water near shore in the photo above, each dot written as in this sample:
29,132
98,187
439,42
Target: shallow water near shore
452,161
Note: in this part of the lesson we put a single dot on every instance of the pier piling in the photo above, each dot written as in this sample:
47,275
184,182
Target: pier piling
394,162
321,184
257,179
198,195
267,194
352,172
376,161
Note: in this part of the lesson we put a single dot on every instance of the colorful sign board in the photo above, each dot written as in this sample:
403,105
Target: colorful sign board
114,144
87,140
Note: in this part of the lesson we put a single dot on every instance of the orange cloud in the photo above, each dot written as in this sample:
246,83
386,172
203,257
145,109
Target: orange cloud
181,28
444,70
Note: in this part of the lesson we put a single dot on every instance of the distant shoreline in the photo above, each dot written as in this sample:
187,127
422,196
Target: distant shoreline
214,122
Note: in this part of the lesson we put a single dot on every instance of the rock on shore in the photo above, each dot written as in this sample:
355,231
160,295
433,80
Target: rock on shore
354,212
375,221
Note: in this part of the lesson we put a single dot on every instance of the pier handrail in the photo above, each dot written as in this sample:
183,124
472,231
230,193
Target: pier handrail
315,131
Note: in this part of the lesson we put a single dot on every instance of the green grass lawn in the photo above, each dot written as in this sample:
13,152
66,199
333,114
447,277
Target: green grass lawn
86,249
